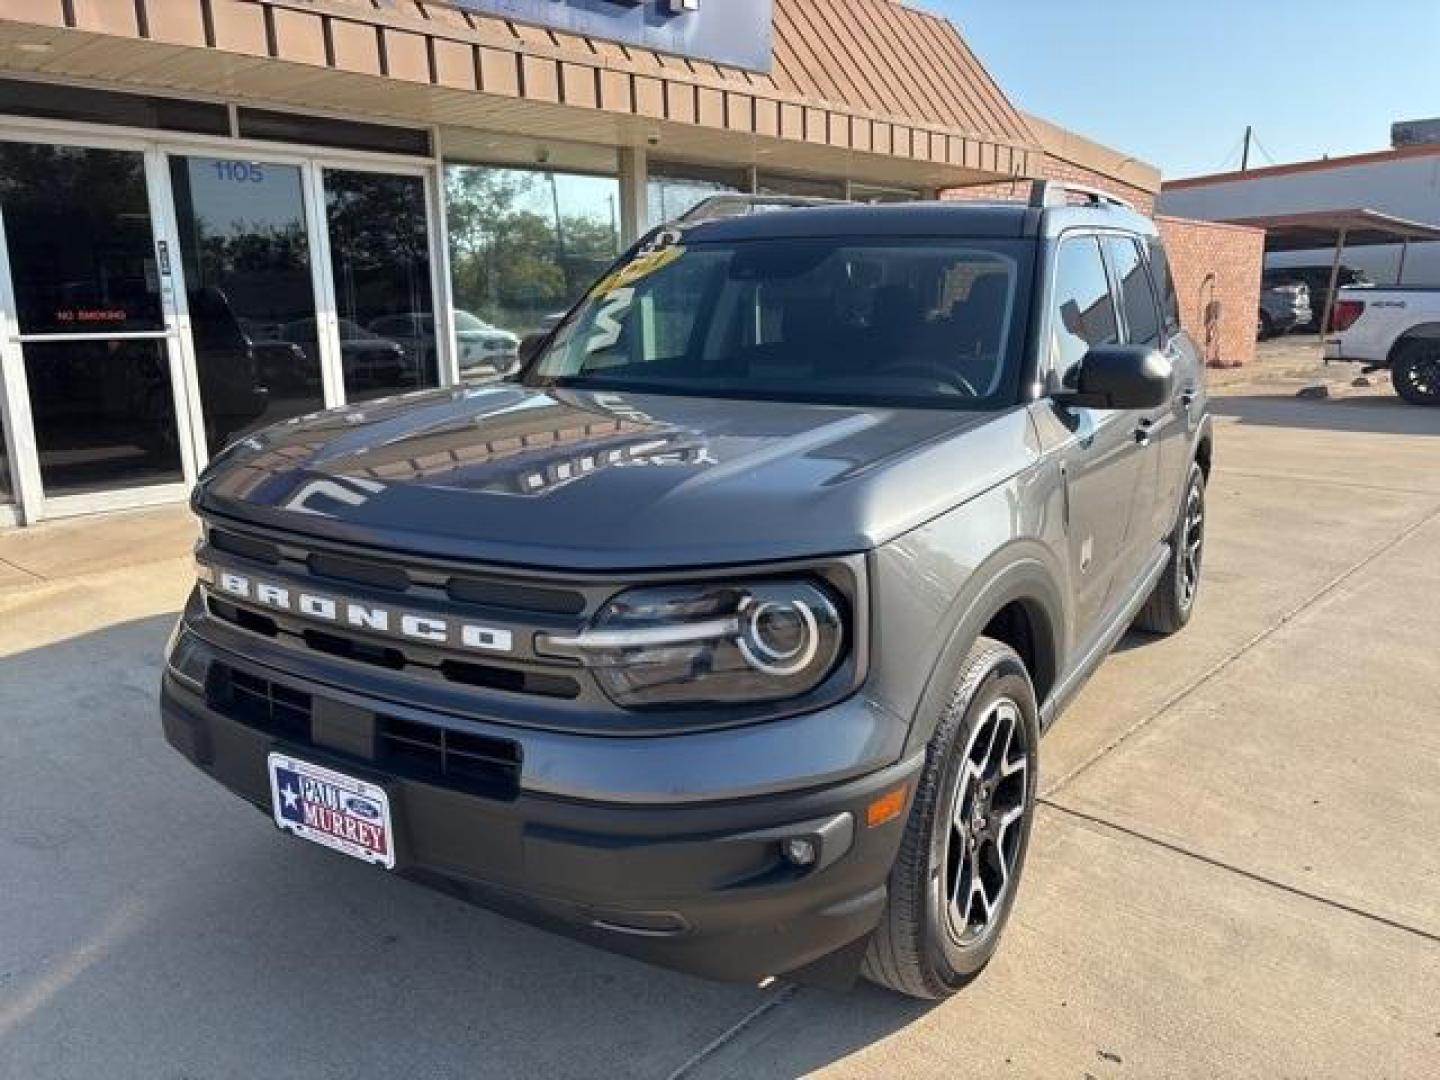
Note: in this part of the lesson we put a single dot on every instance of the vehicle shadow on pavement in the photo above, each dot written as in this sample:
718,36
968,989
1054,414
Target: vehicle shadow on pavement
151,925
1380,415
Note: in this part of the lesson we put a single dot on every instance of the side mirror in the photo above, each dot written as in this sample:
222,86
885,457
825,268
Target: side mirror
1120,377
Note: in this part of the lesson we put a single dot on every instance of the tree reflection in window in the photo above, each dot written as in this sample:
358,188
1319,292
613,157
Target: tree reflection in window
525,244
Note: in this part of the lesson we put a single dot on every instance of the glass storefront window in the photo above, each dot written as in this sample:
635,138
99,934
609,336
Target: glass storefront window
380,258
674,189
524,245
246,250
779,184
864,193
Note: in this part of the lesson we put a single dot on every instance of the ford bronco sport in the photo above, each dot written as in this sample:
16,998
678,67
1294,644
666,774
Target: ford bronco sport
723,633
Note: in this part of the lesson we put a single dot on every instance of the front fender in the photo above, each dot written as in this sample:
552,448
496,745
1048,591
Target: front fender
1021,574
938,586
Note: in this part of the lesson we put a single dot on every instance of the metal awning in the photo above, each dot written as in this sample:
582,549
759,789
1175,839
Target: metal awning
1339,229
1319,229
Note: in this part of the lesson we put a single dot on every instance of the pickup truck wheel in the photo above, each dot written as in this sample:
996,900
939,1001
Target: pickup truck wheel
1170,605
1415,371
954,881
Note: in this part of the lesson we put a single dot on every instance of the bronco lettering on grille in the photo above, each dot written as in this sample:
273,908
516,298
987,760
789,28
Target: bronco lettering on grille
417,626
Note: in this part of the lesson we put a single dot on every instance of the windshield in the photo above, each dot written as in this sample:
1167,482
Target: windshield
854,321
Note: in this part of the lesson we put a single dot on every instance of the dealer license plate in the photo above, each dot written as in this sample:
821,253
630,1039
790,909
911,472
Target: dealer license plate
330,808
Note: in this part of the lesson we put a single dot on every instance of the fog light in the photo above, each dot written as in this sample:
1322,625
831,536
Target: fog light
799,851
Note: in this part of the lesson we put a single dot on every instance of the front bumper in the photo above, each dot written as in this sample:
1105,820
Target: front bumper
700,887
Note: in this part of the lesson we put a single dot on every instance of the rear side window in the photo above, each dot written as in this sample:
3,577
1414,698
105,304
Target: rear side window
1083,314
1137,299
1165,286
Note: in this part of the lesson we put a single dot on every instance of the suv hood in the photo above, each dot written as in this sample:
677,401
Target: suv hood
594,481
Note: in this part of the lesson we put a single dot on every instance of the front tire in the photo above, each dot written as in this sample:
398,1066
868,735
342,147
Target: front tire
1173,601
953,884
1415,371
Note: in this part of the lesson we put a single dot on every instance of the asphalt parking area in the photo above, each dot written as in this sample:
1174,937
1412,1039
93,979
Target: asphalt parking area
1234,871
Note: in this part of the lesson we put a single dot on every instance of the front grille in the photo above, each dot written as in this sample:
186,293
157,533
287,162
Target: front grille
260,704
357,572
427,753
515,680
474,763
496,592
247,548
243,618
480,597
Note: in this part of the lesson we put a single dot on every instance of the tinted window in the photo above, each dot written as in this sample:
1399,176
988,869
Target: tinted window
777,184
109,107
1142,318
825,319
674,189
380,259
323,131
1083,314
1165,286
245,243
525,244
82,257
104,414
82,262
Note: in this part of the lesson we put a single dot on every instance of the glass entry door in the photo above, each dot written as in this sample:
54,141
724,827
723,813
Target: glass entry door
158,302
294,274
245,242
91,348
378,230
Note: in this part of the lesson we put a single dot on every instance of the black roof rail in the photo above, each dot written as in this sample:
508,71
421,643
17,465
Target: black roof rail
736,204
1047,193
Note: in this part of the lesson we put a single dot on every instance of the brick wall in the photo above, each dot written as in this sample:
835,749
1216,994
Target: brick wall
1217,274
1054,168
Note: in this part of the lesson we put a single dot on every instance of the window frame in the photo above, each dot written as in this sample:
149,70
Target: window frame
1118,288
1050,378
1168,332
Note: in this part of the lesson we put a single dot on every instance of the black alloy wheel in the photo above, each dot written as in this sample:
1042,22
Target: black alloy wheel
957,873
1172,601
989,803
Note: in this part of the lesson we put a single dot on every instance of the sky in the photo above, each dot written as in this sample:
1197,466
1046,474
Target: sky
1174,83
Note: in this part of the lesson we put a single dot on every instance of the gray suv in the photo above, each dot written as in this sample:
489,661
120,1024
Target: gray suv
724,633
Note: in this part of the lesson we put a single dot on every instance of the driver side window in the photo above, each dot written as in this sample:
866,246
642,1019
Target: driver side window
1083,311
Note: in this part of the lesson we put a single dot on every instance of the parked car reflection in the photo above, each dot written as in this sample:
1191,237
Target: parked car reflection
236,370
481,345
370,361
482,348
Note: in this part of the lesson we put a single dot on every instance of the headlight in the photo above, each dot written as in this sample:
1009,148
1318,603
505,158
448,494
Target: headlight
720,643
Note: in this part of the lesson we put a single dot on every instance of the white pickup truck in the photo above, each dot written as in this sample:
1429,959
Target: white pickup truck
1396,328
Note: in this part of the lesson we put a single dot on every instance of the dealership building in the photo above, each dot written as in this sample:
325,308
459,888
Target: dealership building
217,214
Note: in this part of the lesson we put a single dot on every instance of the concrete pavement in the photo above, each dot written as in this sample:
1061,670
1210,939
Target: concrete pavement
1234,871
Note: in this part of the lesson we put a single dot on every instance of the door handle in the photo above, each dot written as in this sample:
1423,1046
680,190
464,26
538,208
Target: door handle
1188,396
1143,431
